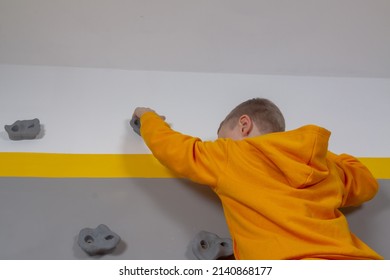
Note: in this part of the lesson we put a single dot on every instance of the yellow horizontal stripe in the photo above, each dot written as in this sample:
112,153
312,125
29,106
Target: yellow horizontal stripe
81,166
113,166
380,167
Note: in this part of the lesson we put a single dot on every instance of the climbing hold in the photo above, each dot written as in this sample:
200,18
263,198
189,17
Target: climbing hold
136,125
209,246
98,241
26,129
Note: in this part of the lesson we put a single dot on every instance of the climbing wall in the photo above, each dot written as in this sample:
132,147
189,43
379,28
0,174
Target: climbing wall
87,166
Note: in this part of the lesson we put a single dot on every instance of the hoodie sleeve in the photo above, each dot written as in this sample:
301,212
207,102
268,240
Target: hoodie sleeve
187,156
360,185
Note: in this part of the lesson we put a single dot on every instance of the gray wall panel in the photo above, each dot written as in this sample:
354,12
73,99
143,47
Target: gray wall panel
156,218
371,221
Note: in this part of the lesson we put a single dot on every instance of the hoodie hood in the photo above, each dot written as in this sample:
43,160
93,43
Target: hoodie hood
301,154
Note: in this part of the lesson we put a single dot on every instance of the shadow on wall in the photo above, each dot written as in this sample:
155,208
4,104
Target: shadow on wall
371,221
190,206
132,143
172,203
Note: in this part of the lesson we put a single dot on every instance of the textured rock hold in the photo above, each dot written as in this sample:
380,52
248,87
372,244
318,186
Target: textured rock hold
21,130
98,241
135,123
209,246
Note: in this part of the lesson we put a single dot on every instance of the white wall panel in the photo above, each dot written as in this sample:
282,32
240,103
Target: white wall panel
87,110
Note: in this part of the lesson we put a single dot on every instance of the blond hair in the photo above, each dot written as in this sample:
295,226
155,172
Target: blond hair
264,113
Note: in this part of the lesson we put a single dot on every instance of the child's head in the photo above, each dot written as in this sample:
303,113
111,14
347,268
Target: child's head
253,117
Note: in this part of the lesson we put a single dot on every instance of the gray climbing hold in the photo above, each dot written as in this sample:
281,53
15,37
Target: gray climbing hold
26,129
209,246
135,123
98,241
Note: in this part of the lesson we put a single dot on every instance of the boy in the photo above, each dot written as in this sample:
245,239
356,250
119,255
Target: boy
280,191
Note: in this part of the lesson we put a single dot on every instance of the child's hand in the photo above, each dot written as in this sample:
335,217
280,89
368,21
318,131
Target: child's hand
139,111
135,120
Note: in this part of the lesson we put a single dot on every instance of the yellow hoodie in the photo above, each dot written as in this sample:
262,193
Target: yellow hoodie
281,192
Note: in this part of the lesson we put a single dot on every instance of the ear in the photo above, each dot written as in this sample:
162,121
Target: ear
246,125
